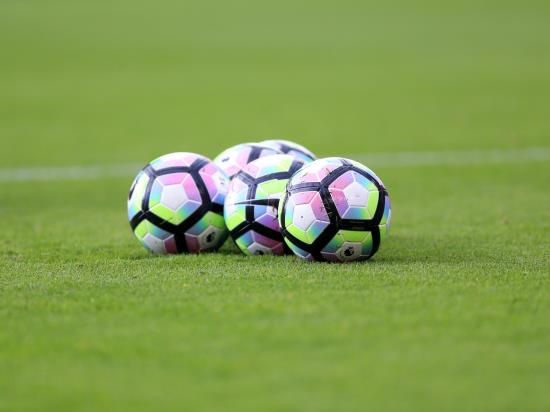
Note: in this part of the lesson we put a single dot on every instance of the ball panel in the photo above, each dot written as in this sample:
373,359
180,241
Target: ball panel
299,252
231,161
154,238
253,243
136,194
305,216
271,189
215,181
235,213
267,216
293,149
354,196
208,234
366,169
177,159
315,172
347,246
385,222
176,201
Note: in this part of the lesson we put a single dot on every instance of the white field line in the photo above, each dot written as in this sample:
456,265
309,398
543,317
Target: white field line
373,160
455,157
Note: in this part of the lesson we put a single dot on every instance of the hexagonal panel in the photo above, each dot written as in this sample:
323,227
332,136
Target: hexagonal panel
209,233
257,249
154,238
356,195
252,243
348,245
298,251
267,216
153,243
305,216
349,251
173,197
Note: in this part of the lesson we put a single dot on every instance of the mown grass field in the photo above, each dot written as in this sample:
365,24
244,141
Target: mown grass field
453,313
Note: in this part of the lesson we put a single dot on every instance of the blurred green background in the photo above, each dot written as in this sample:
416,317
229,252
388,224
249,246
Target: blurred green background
453,313
114,81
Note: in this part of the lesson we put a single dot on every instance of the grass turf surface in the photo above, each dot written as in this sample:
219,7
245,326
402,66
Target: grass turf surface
453,312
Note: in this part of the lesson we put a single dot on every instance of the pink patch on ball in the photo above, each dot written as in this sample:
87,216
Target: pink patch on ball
192,243
170,245
191,189
303,197
171,179
267,242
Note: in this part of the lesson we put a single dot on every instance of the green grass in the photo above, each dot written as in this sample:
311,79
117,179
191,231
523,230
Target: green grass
453,313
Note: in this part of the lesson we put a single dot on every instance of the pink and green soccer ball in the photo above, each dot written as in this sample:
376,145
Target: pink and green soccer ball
251,204
175,204
232,160
335,210
291,148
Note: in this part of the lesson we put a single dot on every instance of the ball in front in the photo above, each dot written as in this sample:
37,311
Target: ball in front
232,160
252,202
292,149
175,204
335,210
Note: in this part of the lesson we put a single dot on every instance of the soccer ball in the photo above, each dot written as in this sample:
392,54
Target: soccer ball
335,210
176,204
291,148
251,204
232,160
